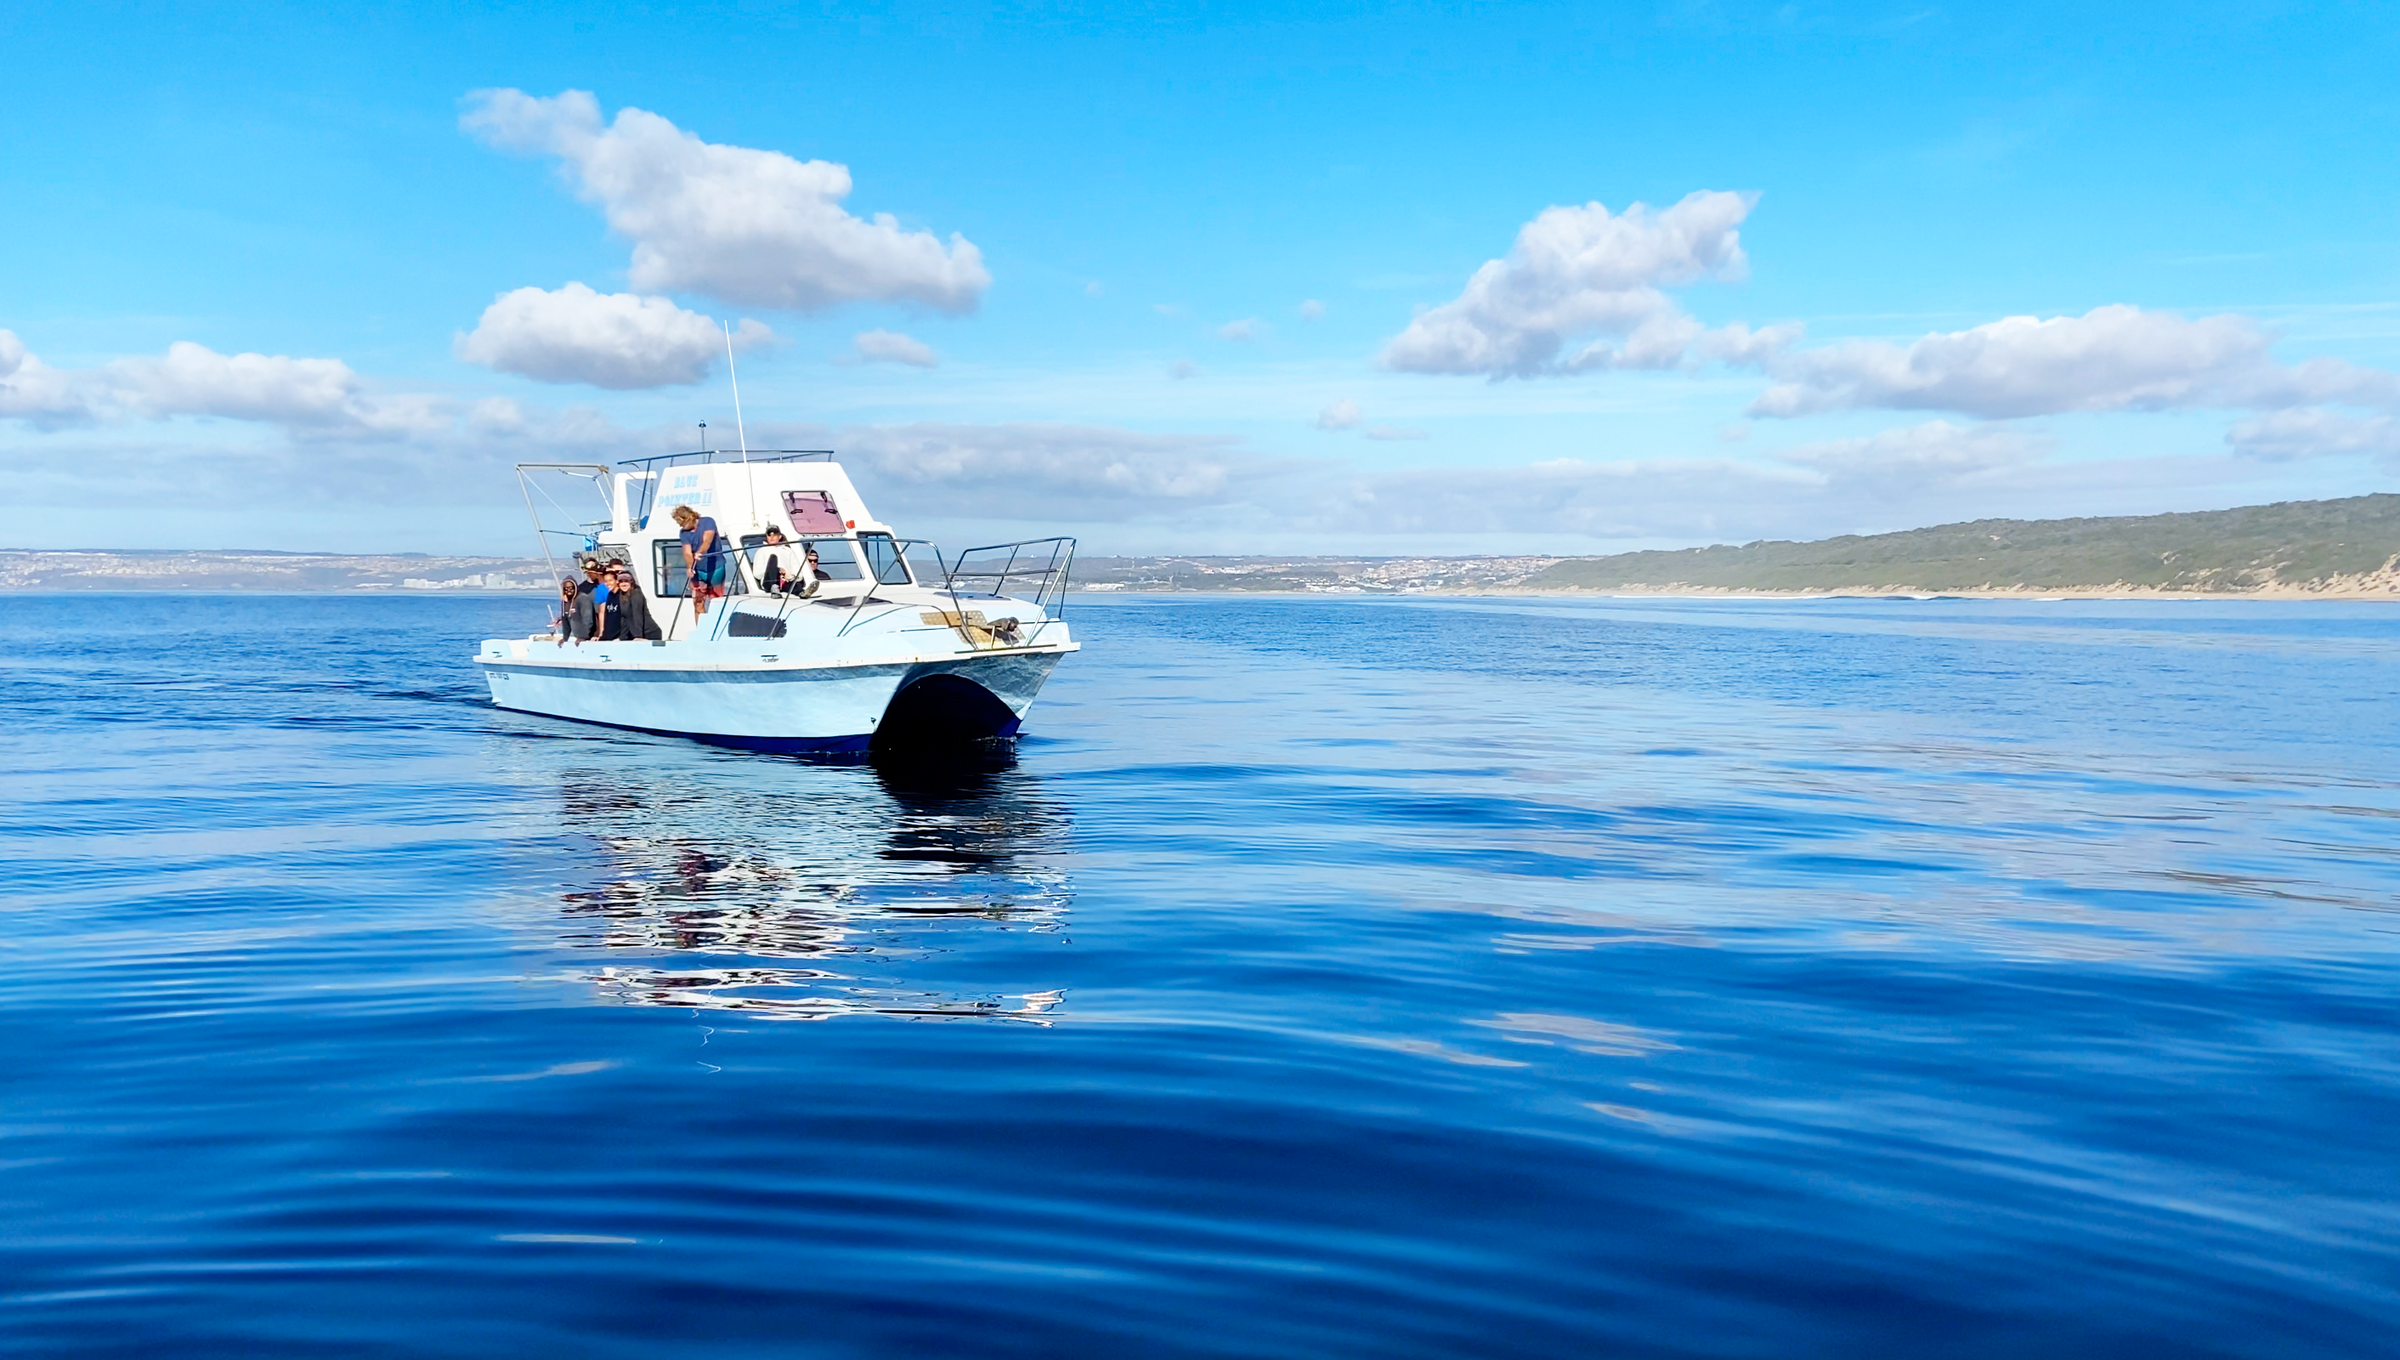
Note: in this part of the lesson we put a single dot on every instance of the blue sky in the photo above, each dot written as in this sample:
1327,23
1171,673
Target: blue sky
1200,278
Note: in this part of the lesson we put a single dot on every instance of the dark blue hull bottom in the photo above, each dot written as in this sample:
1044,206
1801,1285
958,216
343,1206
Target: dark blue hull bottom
857,747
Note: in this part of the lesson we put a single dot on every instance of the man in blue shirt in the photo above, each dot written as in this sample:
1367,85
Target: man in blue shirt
703,557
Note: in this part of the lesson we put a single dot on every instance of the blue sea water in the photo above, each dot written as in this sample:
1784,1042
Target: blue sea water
1325,978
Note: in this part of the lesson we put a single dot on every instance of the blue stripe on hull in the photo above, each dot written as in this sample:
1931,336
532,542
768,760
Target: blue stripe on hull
782,746
787,746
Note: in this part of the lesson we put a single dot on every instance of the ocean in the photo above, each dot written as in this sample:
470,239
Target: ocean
1324,977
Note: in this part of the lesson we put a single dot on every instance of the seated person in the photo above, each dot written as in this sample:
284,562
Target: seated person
771,577
811,574
629,609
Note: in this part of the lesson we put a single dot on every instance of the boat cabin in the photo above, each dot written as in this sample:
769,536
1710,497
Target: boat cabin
803,495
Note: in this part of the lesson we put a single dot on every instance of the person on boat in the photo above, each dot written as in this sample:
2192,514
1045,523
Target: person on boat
565,622
611,601
810,573
703,557
771,576
584,623
596,575
633,609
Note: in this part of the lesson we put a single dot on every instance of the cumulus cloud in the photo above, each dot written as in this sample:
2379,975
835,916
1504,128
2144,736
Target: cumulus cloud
32,391
309,398
1341,415
891,347
1312,310
1031,471
1897,461
1242,331
614,340
750,227
1582,272
1393,432
2114,358
2308,432
496,415
1631,499
1183,368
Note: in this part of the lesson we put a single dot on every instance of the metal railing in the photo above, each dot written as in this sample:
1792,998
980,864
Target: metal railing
646,483
1043,564
698,457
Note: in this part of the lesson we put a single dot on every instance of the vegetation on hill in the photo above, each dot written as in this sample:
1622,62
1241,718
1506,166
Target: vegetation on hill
2294,544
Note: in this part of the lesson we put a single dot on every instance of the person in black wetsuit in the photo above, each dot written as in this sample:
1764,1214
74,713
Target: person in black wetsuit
630,609
612,609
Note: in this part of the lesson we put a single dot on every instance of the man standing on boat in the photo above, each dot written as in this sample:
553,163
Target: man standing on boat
703,557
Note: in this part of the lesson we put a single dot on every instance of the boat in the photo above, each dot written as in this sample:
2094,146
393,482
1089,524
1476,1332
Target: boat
887,647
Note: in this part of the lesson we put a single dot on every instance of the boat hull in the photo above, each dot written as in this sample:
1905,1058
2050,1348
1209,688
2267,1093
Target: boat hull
818,708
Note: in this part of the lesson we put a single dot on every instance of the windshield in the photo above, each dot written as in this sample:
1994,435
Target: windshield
884,556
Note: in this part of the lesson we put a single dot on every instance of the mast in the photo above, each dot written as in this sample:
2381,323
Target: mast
748,477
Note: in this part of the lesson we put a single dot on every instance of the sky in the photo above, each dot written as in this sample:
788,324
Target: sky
1197,278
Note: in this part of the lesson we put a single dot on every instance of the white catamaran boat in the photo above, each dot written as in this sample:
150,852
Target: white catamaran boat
872,651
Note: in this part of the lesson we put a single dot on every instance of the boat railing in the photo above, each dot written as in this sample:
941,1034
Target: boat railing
646,470
1039,565
699,457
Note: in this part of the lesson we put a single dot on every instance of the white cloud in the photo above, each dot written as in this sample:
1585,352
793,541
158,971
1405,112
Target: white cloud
1903,460
314,399
1634,499
891,347
1183,368
1169,310
2114,358
2281,436
1393,432
1340,416
1577,272
1243,331
309,398
614,340
1312,310
496,415
33,391
1094,289
1038,470
750,227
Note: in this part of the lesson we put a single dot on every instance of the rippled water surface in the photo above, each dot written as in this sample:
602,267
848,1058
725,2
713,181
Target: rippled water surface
1326,977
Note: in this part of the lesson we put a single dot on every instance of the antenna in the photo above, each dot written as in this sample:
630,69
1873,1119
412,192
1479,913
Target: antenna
736,378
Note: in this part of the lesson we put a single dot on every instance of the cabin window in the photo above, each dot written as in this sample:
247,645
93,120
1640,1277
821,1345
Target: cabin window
884,556
836,559
670,570
671,583
812,512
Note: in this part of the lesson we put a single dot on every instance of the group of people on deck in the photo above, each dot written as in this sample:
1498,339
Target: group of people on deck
608,605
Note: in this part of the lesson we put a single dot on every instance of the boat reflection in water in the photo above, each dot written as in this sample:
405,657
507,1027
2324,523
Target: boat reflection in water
818,891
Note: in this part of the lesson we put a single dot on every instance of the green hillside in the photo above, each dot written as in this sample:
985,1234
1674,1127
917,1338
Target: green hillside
2293,543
